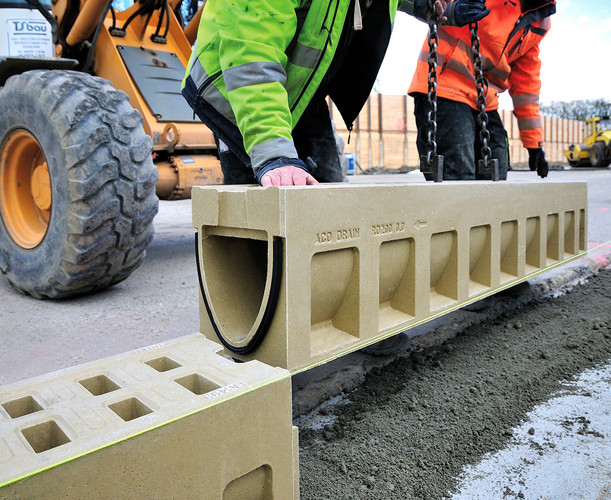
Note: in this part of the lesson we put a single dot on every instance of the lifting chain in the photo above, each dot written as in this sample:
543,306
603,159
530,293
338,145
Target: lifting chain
432,163
485,164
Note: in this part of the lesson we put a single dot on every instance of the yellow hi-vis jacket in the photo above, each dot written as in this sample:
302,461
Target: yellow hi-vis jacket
257,64
509,46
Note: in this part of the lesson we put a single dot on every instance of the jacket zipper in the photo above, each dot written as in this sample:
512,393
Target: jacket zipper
327,42
207,82
448,57
518,44
324,21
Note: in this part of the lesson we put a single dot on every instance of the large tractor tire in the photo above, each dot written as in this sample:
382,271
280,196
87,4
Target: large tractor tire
598,156
77,184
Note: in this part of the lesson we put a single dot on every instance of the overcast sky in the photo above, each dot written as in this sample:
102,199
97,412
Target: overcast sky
575,54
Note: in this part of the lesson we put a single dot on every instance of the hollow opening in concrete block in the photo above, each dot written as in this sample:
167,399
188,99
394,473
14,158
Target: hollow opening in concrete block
444,269
130,409
570,243
163,364
533,244
553,239
582,230
45,436
235,273
397,283
255,484
99,385
334,299
480,259
197,384
22,406
509,251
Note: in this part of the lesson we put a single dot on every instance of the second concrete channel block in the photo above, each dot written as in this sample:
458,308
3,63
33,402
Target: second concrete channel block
172,420
295,276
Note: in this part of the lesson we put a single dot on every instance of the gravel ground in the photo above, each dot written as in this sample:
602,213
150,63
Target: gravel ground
559,452
410,429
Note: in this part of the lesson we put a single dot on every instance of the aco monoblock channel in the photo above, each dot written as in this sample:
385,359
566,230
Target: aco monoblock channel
297,276
172,420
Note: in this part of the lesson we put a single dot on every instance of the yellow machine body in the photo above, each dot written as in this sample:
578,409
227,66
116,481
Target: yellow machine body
596,150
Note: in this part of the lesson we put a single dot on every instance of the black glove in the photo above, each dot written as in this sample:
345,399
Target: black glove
463,12
537,161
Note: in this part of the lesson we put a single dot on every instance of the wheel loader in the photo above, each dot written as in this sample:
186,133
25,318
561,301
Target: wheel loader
596,150
93,130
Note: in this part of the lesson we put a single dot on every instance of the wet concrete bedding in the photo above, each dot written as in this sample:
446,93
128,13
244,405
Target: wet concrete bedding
410,428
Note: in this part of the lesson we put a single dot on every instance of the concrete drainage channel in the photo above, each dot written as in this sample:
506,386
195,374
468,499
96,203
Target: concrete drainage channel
388,276
341,376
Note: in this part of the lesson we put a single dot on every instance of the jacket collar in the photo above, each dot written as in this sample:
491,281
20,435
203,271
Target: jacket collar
547,6
538,9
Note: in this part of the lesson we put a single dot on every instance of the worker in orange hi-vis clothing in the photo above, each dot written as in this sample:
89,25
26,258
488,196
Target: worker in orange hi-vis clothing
509,49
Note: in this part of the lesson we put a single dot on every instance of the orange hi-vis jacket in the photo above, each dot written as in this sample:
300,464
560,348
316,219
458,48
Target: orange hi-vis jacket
509,46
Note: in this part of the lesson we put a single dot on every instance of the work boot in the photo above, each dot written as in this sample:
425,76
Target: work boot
514,291
393,345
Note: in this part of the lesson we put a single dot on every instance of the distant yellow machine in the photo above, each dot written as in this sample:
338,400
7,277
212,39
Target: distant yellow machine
596,151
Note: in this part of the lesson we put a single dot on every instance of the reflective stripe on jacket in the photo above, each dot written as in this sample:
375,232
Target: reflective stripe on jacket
257,64
509,45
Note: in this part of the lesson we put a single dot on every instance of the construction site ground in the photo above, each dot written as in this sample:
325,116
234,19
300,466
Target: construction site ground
513,401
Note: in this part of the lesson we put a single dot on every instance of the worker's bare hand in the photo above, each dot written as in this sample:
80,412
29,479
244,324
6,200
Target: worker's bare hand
440,7
287,176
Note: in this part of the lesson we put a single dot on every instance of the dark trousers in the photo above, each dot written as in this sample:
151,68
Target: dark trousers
458,138
313,136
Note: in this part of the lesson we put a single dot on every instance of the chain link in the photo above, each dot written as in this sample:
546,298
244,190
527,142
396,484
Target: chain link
431,130
480,84
432,162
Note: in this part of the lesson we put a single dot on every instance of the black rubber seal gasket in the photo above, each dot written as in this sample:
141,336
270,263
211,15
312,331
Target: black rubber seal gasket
270,307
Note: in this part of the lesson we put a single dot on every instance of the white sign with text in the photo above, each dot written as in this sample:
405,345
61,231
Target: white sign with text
26,32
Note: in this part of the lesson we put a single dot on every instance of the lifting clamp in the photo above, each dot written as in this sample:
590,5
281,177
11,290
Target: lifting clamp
432,163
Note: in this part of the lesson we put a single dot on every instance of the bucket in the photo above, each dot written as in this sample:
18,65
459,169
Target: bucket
350,159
